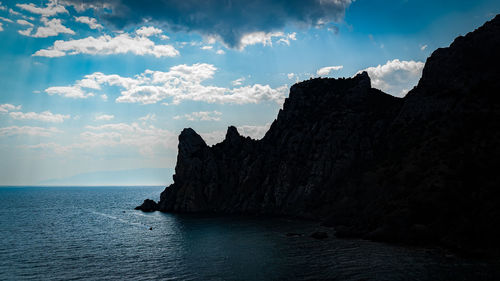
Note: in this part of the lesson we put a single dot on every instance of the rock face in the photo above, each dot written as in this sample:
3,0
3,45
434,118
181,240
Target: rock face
422,169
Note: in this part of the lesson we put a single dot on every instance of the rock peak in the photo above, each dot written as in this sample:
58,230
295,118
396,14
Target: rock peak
188,131
363,75
363,80
232,133
375,166
470,62
190,142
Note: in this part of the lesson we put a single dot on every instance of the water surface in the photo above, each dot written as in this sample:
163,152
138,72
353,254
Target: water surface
93,233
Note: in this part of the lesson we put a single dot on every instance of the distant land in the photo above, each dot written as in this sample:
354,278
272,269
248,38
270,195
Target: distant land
151,176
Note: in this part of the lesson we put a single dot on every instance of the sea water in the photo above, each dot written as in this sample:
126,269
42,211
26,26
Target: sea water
93,233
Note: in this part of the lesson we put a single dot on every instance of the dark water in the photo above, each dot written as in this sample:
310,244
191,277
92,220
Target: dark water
93,233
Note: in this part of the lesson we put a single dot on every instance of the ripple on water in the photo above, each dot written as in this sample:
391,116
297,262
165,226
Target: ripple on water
76,233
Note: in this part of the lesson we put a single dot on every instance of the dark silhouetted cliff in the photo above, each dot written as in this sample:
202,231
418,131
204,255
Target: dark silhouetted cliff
422,169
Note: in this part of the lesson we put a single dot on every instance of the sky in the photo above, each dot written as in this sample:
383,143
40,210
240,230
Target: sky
96,92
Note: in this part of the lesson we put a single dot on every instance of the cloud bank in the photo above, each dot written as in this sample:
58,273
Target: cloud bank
201,116
51,27
51,8
104,117
254,131
45,116
91,22
327,69
180,83
227,20
124,43
8,107
29,131
395,77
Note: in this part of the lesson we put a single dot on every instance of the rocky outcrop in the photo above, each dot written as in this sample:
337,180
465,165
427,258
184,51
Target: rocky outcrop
422,169
148,206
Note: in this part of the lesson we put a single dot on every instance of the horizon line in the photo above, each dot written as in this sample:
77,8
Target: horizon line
102,185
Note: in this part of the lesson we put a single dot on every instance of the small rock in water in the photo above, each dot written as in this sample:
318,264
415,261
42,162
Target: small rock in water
150,228
319,235
148,206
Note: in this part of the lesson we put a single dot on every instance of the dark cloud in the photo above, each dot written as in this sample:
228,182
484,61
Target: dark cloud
227,19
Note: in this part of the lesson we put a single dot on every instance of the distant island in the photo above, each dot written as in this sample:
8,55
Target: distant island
423,169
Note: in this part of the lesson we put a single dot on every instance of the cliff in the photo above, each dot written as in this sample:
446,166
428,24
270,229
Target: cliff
422,169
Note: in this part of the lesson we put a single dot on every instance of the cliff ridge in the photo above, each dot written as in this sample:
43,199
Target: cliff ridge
419,169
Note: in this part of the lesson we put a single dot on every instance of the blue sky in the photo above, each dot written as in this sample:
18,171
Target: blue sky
89,87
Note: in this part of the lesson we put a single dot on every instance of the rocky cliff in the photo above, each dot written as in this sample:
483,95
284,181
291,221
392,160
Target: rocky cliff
422,169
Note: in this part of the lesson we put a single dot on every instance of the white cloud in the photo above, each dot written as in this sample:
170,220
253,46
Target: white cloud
238,81
212,138
57,148
4,108
45,116
266,39
107,45
220,52
253,131
2,7
51,9
326,70
1,26
395,77
112,80
207,47
104,97
43,53
123,127
148,117
6,19
287,38
294,76
51,27
201,116
68,92
14,13
104,117
259,38
24,22
180,83
89,84
147,139
27,130
423,47
210,39
148,31
91,22
25,32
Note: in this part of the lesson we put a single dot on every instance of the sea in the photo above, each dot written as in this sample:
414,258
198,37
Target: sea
94,233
